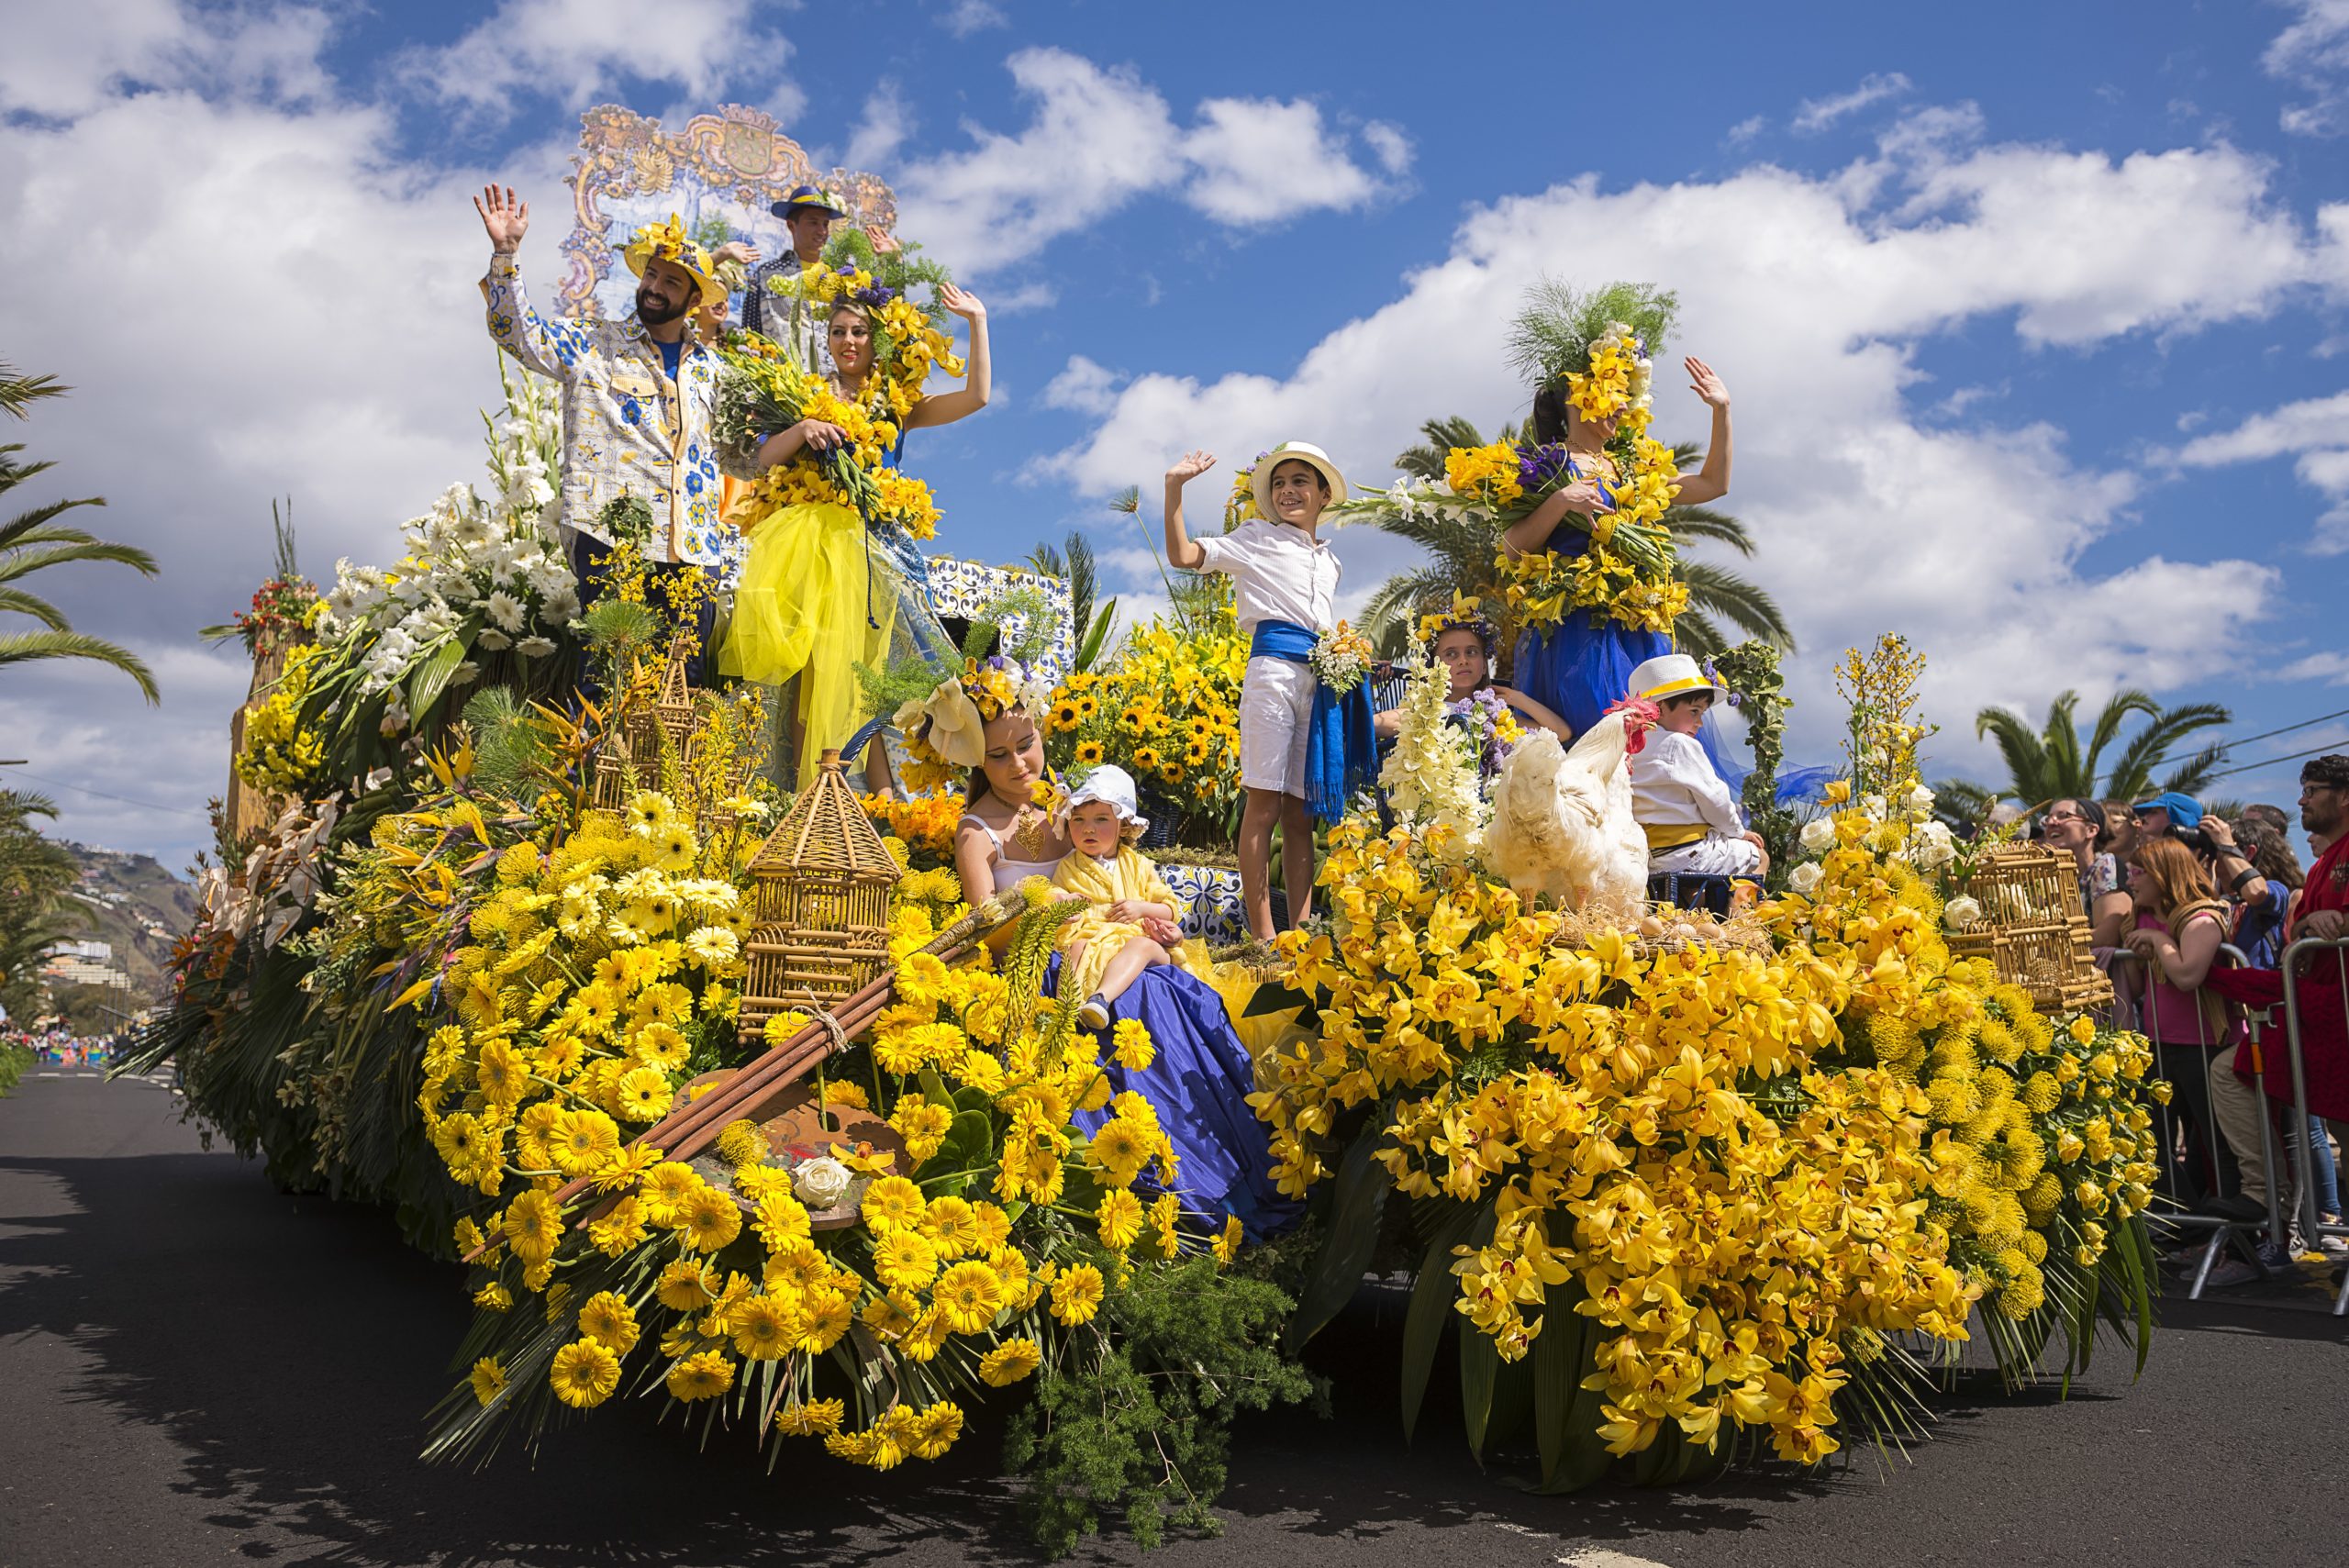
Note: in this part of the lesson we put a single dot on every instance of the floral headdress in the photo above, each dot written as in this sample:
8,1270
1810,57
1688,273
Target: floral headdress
670,242
1466,614
945,731
1601,344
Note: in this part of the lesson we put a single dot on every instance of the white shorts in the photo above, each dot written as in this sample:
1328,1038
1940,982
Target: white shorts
1713,855
1275,717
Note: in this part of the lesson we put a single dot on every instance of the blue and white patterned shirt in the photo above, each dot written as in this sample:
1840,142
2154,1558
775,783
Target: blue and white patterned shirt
627,429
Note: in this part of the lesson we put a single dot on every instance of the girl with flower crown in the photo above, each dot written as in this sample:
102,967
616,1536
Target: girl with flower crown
1591,355
990,722
1460,639
826,589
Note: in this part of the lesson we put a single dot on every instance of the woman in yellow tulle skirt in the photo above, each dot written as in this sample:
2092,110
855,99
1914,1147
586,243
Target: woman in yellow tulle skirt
822,592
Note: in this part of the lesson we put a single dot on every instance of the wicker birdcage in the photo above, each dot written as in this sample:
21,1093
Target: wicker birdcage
670,716
2032,929
820,906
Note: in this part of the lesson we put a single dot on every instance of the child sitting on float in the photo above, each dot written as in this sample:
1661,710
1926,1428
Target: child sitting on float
1692,820
1129,921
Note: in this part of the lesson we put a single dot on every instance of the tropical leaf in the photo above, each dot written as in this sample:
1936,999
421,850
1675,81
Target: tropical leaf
25,647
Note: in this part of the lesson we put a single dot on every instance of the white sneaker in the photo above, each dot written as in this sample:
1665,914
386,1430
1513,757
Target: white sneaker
1093,1013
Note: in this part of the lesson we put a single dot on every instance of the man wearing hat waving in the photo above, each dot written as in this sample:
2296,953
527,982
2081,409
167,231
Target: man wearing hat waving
807,214
637,399
1284,583
1691,819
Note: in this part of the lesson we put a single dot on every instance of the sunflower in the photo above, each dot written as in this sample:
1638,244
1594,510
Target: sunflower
708,1220
1076,1294
1009,1362
904,1260
488,1379
705,1374
585,1374
971,1296
1089,752
609,1320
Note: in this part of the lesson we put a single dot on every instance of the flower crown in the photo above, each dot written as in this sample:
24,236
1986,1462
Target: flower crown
945,731
669,241
1466,614
1599,344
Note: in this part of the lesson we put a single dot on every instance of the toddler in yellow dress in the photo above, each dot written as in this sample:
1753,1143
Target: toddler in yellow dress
1131,921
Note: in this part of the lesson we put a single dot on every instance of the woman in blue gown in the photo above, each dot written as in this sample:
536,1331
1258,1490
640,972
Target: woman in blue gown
1582,666
1201,1076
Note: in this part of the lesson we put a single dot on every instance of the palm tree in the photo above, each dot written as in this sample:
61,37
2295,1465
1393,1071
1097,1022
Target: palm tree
1463,559
2051,763
1092,625
35,913
34,540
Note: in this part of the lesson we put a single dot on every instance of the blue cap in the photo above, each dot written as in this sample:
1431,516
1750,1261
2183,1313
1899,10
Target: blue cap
2184,811
814,197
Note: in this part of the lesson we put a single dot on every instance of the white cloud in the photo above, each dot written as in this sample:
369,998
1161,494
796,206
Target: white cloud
964,18
1746,129
1389,145
1083,387
289,311
2313,55
1869,516
575,51
2315,433
1099,137
887,120
1258,161
65,59
1818,114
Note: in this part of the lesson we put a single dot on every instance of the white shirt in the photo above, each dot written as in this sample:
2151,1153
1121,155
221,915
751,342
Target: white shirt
1673,784
1277,573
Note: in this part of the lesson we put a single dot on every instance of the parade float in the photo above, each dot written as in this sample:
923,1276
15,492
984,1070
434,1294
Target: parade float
723,1096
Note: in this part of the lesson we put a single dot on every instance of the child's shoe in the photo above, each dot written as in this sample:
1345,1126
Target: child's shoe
1093,1013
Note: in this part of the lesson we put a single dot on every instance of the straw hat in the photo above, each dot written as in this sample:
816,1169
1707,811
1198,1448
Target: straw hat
669,243
1669,675
1260,481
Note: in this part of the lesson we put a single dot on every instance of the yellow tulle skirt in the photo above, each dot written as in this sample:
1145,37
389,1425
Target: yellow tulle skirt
813,602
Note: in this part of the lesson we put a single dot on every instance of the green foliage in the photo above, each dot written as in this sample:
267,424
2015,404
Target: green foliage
512,751
1135,1425
2054,763
13,1060
1553,332
36,876
33,540
1092,625
1751,670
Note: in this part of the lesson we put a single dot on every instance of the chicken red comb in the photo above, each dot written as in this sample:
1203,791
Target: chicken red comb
1640,715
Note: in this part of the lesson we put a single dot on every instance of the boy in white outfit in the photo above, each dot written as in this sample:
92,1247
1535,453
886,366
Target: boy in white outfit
1284,582
1692,820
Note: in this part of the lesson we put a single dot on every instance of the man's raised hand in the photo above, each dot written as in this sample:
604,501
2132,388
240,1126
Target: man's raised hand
507,217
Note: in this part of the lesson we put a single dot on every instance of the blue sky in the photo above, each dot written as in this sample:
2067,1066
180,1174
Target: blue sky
2034,315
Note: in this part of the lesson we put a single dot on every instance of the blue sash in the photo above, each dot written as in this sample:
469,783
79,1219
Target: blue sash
1341,740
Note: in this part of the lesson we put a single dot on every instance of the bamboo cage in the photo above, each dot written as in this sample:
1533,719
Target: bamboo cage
611,767
670,716
2032,929
819,904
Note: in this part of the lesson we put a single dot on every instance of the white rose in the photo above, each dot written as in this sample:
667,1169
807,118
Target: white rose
1960,913
1805,877
821,1182
1920,799
1817,834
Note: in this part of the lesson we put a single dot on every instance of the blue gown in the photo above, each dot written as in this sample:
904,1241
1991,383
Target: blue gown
1199,1084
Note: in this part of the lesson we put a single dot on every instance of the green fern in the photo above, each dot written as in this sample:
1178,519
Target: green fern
1553,332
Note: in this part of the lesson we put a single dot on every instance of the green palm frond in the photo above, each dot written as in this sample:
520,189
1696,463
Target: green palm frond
24,647
19,392
2051,763
36,554
1741,603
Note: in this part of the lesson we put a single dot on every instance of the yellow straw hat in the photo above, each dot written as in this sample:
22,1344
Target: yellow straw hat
670,242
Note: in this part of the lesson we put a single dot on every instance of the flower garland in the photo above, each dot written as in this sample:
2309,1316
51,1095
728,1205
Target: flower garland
945,731
1618,577
761,391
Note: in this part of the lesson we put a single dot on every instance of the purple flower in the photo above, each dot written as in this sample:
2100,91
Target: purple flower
1542,468
874,297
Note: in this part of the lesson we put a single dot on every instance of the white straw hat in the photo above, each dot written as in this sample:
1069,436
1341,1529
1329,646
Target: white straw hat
1670,674
1260,481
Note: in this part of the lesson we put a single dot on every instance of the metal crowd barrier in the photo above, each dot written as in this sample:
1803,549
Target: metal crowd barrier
2313,1226
2224,1230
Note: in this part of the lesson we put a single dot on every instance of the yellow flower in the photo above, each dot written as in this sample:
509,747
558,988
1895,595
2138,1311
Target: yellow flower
1076,1294
532,1225
583,1142
585,1374
764,1328
705,1374
1134,1050
1120,1219
903,1260
891,1203
808,1419
936,1429
970,1295
609,1320
644,1094
708,1220
1009,1362
688,1285
488,1379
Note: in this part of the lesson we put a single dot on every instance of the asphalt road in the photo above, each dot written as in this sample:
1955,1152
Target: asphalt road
194,1368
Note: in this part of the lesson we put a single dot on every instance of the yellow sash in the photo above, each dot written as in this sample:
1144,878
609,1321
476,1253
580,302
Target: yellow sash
1662,836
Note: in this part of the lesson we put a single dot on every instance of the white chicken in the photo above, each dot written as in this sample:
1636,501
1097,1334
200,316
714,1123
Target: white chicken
1562,818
